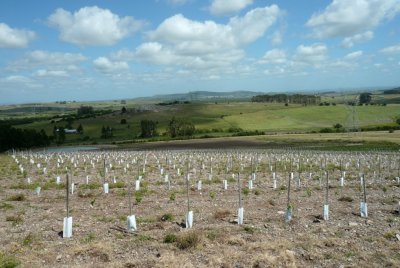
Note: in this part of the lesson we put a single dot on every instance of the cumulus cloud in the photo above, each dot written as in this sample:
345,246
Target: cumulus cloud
104,65
50,73
354,55
391,50
223,7
349,42
343,18
201,37
274,56
14,38
313,54
92,26
276,38
46,59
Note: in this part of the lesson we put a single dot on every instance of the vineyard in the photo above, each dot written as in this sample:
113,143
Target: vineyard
218,208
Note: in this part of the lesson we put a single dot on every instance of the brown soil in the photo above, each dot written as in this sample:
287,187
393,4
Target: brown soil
31,225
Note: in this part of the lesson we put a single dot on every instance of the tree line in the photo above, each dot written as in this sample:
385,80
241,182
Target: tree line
15,138
286,98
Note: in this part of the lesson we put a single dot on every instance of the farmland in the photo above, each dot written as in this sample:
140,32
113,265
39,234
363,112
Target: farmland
32,221
219,119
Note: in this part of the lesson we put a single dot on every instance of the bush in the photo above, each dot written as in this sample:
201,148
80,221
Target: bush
345,199
8,261
188,240
167,217
170,238
123,121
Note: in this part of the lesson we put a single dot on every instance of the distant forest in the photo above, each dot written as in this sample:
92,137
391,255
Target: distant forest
14,138
285,98
392,91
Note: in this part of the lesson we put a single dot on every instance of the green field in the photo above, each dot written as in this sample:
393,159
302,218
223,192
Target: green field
215,119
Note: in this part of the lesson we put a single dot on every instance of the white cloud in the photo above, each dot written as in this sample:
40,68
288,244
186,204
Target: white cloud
177,2
349,42
276,38
202,37
343,18
104,65
50,73
313,54
14,38
354,55
46,59
274,56
92,26
391,50
223,7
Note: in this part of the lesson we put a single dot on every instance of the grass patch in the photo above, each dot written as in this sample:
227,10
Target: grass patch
389,235
15,219
188,240
90,186
170,238
167,217
7,261
345,199
28,240
119,184
144,237
90,237
245,191
6,206
249,229
17,197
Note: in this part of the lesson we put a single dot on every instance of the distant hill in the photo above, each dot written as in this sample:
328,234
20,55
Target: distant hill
204,96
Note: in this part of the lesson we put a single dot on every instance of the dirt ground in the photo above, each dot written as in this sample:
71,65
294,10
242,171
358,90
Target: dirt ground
31,225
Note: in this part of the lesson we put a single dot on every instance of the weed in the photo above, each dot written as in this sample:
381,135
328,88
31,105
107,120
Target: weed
170,238
6,206
167,217
257,192
15,219
212,195
245,191
8,261
90,186
119,184
188,240
308,192
389,235
345,199
384,189
90,237
144,237
249,229
28,240
172,196
17,197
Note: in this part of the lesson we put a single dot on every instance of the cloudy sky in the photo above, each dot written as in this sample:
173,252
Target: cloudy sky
115,49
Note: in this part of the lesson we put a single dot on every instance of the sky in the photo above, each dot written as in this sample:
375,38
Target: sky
54,50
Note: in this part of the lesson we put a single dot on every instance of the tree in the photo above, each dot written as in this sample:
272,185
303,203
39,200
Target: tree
80,129
106,132
365,98
123,121
398,121
85,110
61,135
148,128
123,110
180,128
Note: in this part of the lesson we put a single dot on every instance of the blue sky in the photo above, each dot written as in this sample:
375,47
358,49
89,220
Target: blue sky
117,49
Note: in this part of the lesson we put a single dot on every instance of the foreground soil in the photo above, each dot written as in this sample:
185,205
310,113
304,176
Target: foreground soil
31,225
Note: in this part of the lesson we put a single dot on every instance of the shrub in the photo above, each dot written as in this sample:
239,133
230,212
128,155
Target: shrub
167,217
345,199
8,261
188,240
17,197
170,238
245,191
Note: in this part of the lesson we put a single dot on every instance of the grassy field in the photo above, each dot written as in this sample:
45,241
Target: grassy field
213,119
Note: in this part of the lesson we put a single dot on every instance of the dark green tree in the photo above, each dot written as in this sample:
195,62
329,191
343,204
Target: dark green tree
80,129
148,128
365,98
123,110
180,128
